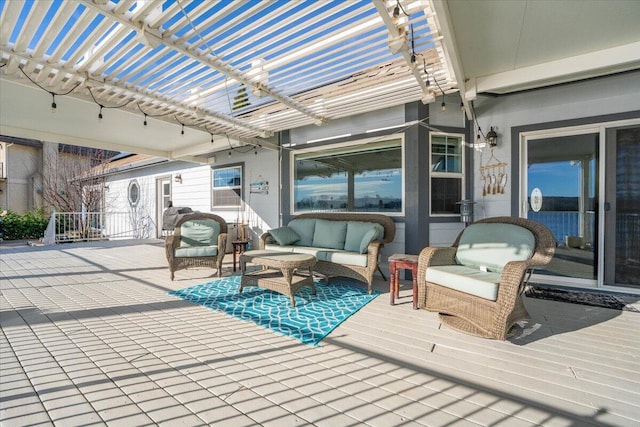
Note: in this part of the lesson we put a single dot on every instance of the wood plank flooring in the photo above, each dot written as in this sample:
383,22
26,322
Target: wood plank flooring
90,337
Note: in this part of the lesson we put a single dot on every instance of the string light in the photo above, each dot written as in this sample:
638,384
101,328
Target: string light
54,106
149,115
104,106
443,105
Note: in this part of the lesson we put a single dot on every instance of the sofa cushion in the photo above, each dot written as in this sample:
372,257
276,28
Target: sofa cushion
199,232
357,230
324,254
329,234
304,227
195,251
470,280
491,246
284,235
343,257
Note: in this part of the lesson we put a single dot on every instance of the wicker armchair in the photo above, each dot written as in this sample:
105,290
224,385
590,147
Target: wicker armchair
198,240
481,315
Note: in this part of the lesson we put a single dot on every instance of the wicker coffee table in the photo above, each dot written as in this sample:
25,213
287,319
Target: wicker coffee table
278,273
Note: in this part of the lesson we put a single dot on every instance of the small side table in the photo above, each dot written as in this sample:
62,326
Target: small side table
239,246
403,261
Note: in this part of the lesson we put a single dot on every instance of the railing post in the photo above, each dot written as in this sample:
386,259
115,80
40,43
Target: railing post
50,232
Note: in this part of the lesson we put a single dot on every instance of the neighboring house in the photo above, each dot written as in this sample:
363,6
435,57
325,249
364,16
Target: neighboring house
576,144
20,167
27,166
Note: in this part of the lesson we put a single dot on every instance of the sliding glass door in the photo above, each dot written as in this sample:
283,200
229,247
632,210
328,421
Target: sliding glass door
584,184
562,193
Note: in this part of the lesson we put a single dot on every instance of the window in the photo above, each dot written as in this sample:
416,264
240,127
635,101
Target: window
366,177
446,174
227,187
133,193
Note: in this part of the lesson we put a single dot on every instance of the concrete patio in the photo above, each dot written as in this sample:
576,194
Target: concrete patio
90,337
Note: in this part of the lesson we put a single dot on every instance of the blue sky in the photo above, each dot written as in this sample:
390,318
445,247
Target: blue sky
558,178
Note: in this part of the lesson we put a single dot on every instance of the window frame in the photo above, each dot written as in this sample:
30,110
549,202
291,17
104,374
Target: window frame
240,187
448,175
343,145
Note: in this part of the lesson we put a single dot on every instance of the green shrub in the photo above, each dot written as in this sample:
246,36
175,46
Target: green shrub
31,225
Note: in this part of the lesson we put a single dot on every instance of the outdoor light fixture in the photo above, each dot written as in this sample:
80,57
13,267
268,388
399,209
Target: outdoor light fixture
492,137
178,178
466,211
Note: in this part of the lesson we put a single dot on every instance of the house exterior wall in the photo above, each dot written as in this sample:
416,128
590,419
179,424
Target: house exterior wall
416,229
260,212
584,102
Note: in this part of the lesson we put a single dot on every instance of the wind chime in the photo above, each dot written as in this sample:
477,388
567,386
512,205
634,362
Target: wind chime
494,176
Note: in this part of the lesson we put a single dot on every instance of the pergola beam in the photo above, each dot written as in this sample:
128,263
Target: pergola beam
205,58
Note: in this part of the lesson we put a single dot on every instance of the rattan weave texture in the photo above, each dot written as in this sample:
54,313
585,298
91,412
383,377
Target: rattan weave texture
475,315
181,263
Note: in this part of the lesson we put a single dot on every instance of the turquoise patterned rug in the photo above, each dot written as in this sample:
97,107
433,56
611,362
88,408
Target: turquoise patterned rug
313,317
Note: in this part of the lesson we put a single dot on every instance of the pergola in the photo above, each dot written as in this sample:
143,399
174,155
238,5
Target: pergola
183,79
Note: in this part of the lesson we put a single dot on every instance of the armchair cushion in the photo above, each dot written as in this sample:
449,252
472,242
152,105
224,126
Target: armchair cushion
199,232
491,246
284,235
483,284
329,234
197,251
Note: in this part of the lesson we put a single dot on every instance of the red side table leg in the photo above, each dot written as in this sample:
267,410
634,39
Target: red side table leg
393,282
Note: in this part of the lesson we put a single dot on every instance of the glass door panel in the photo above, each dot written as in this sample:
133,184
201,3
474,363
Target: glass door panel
562,193
622,208
163,201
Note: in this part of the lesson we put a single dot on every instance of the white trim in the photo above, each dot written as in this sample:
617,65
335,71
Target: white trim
450,175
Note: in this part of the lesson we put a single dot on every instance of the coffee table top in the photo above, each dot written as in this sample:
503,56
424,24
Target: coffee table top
278,259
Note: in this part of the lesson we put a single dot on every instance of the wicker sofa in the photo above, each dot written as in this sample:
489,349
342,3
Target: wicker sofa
476,285
198,240
344,244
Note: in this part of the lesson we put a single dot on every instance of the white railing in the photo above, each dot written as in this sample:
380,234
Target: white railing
67,227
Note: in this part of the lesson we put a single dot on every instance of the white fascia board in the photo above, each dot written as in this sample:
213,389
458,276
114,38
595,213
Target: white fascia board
607,61
450,47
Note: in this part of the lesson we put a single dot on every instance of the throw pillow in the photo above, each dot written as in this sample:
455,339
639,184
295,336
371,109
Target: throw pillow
369,237
284,235
355,232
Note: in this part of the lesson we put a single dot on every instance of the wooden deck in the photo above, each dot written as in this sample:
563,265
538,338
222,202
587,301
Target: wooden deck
90,337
